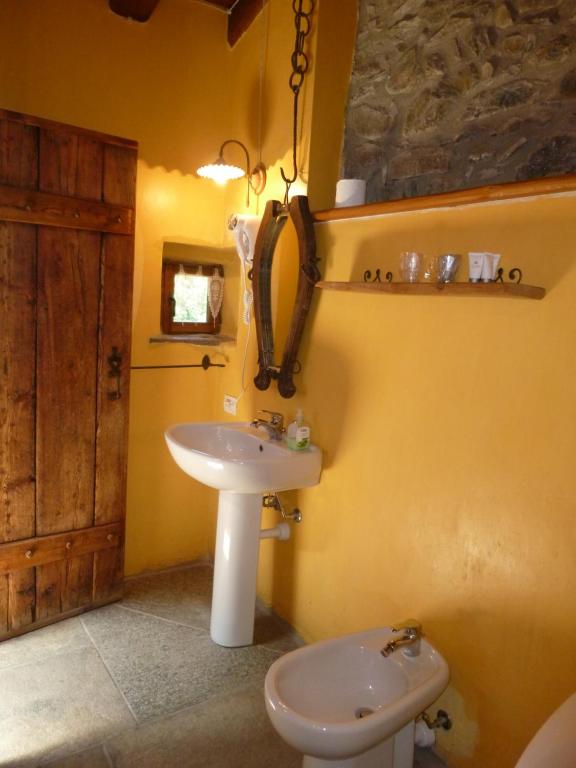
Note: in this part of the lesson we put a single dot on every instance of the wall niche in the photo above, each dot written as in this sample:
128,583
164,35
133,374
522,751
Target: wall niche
459,94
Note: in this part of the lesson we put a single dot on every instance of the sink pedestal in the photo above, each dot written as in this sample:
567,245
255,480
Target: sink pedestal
235,568
395,752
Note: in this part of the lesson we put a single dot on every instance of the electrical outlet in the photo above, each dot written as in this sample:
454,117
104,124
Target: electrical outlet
230,404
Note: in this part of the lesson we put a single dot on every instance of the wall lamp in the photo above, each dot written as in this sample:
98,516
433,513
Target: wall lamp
221,172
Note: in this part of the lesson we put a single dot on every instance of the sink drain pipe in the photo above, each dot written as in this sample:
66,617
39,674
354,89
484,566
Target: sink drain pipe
425,730
282,530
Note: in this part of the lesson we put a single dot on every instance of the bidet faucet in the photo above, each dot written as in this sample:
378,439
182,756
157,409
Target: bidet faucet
409,639
273,426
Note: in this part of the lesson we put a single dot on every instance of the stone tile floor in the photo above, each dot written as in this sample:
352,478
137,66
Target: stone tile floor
140,683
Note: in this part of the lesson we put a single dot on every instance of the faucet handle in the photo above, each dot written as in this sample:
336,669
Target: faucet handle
276,419
411,626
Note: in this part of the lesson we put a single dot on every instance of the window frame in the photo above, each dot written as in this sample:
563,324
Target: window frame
170,269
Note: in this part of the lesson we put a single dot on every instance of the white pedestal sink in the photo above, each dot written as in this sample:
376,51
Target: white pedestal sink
242,463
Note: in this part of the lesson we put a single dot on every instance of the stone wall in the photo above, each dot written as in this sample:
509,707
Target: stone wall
449,94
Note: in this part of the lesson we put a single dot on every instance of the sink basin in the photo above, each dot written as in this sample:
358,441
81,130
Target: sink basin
232,456
339,698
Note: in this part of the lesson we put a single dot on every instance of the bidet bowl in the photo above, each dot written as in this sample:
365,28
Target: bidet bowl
233,456
338,698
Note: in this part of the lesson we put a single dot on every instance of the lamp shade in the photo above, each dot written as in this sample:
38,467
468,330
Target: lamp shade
220,172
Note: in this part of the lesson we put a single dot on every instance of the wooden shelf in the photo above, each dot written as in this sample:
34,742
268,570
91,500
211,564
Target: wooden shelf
478,290
553,185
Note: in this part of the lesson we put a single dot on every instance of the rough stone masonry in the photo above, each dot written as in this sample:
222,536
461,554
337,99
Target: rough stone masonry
450,94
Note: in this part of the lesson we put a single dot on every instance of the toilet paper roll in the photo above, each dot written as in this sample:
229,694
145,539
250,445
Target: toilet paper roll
350,192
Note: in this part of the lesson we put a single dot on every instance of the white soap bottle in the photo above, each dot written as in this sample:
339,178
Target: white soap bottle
298,433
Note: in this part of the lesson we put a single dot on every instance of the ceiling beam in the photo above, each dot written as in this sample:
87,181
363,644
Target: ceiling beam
139,10
242,15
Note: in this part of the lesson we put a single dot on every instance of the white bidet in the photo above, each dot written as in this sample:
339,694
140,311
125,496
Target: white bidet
344,705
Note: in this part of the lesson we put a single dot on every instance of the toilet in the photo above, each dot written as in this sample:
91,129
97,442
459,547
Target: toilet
554,746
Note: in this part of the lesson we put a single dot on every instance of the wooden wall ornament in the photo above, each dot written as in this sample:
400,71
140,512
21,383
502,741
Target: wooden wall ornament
273,221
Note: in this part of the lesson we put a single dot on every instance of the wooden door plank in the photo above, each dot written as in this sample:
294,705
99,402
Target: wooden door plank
47,209
119,182
108,574
112,418
41,122
18,154
70,164
68,307
49,590
17,380
3,603
20,555
77,582
21,598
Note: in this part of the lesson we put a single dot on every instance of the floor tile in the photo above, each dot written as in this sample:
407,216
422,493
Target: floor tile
62,637
180,595
91,758
185,596
226,732
162,667
56,706
272,632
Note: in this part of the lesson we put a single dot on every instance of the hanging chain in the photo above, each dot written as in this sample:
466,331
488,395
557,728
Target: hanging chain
300,63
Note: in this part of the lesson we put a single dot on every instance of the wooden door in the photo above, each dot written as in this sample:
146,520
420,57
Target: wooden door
66,262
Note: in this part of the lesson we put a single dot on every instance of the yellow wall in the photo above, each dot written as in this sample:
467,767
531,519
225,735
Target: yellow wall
448,491
447,424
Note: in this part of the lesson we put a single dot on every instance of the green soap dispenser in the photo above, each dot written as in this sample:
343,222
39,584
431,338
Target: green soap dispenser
298,433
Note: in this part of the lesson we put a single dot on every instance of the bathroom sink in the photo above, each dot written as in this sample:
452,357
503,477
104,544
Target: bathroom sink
242,463
232,456
340,697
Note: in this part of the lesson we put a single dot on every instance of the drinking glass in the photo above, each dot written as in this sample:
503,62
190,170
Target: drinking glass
431,269
448,265
410,264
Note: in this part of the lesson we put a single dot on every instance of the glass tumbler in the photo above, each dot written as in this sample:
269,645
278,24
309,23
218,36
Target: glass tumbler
410,265
431,269
448,265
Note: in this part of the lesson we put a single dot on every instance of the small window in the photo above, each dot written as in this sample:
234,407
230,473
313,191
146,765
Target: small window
186,291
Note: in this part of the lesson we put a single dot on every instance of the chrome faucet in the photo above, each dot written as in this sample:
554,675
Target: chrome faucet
409,639
274,426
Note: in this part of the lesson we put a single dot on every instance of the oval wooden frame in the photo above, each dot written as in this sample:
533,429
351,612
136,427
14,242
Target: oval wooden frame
275,216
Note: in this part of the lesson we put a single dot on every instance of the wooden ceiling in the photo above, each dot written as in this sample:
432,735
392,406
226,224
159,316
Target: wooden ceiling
241,13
